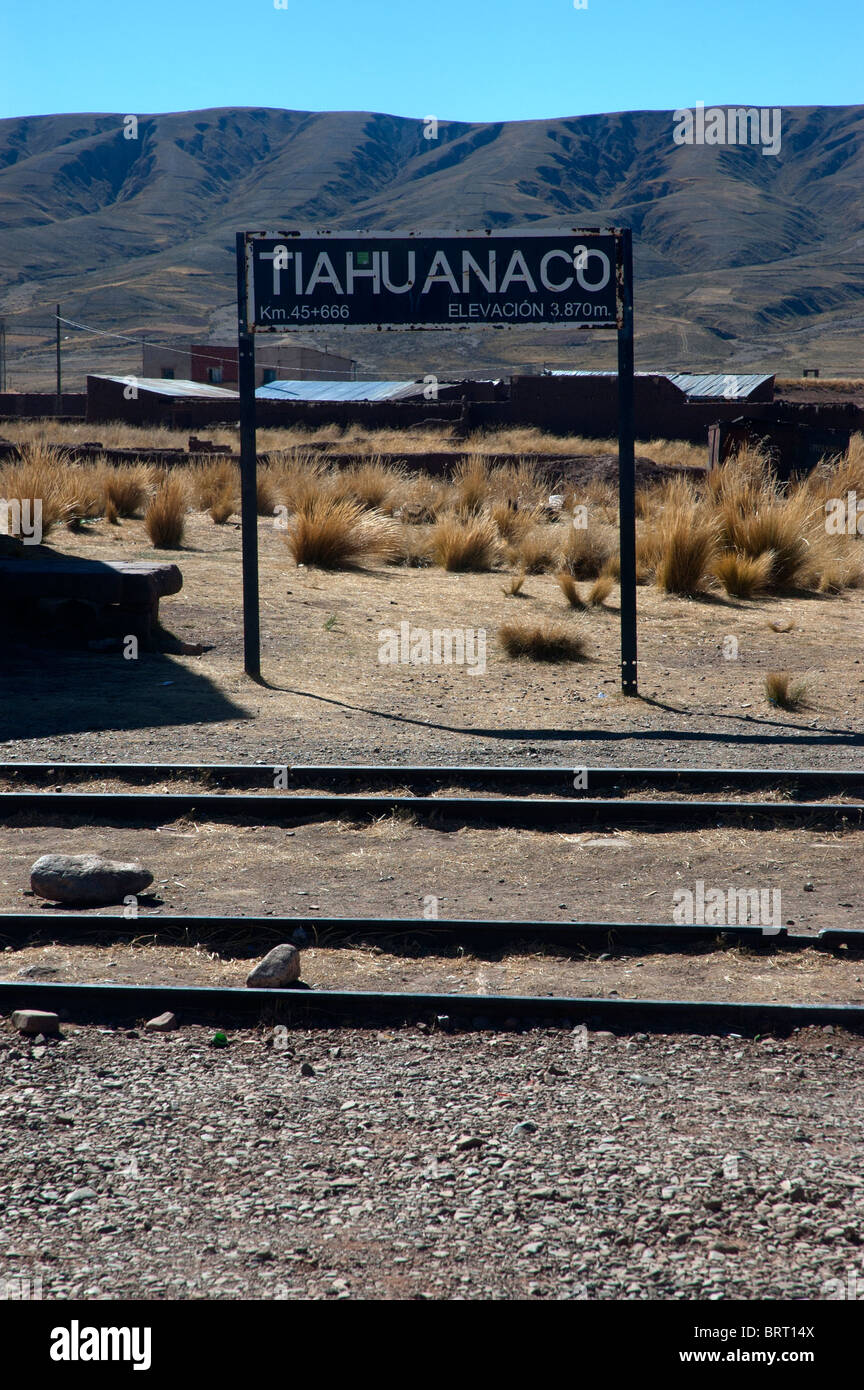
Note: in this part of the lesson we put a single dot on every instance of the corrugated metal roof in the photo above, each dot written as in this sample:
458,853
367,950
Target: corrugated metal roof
162,386
730,386
336,390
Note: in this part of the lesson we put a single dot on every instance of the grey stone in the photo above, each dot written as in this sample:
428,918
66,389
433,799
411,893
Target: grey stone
281,966
35,1021
78,1194
162,1023
86,879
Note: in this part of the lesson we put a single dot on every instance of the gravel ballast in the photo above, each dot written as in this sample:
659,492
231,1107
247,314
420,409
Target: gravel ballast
407,1164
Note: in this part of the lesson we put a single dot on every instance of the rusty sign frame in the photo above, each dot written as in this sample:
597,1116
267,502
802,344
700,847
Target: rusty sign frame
622,325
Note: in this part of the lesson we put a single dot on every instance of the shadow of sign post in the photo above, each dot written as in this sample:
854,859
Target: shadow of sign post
571,277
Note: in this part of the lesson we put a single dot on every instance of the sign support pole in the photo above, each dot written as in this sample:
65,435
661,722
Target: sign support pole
248,474
627,473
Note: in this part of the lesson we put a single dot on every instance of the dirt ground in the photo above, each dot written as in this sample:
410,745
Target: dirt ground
326,697
391,868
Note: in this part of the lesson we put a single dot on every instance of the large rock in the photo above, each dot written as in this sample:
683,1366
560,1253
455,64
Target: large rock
35,1021
86,879
280,967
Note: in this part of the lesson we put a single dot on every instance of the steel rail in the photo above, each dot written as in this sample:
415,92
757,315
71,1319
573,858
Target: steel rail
552,779
137,808
72,926
304,1006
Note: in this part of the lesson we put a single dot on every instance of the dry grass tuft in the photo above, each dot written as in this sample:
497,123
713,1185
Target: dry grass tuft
471,485
600,591
126,488
782,692
40,475
212,479
688,546
373,484
465,545
570,589
222,508
513,587
537,552
165,517
546,641
742,576
586,551
334,533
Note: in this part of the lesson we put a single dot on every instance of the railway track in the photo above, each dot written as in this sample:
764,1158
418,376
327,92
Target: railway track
533,798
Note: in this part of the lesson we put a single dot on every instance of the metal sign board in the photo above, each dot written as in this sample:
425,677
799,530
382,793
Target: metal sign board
567,278
572,277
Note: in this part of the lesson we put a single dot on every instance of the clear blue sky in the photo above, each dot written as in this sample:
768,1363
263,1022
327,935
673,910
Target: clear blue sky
476,60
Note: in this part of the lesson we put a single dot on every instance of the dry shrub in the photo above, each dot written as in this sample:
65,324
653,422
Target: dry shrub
212,479
302,482
836,567
570,589
334,533
126,488
423,498
222,508
374,484
523,485
112,516
545,641
537,552
472,544
688,549
265,491
599,591
513,587
586,551
165,517
471,485
781,691
513,523
741,575
412,547
754,516
85,492
41,475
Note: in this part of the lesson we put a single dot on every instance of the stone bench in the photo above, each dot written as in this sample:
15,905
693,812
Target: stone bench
122,594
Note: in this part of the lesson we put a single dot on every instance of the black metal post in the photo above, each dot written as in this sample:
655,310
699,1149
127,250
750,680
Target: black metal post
627,473
248,473
59,404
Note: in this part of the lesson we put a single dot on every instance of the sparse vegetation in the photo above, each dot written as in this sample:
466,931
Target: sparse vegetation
570,590
165,517
544,641
783,692
471,544
335,532
742,576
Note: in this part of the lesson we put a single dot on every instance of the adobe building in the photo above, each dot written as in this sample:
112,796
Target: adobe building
215,364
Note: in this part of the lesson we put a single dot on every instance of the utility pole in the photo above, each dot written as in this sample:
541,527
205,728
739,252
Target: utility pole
59,404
